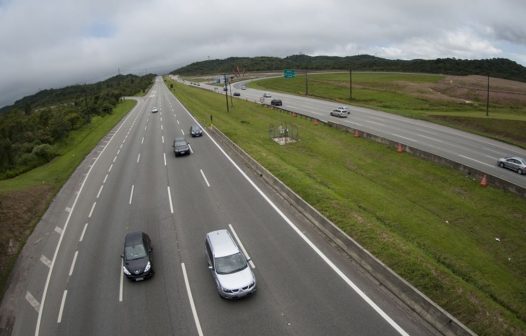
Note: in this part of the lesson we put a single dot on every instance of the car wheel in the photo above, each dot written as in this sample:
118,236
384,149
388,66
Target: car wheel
501,164
520,171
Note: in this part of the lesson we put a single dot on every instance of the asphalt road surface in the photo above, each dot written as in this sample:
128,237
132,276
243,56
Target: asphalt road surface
468,149
132,181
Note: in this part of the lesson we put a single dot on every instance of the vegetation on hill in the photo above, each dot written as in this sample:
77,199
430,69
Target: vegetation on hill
32,126
496,67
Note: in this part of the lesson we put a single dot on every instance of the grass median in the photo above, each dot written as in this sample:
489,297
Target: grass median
25,198
460,244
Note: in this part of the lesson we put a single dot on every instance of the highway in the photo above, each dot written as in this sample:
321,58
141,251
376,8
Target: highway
73,283
468,149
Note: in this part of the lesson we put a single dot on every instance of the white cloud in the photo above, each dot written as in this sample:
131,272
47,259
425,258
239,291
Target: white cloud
59,42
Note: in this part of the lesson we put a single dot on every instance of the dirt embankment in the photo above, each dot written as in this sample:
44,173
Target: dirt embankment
19,211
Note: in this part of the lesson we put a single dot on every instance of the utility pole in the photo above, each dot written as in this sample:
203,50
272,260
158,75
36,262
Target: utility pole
350,83
306,83
226,93
487,99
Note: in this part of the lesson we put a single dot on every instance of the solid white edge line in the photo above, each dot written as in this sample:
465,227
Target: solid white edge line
191,299
170,200
100,190
72,268
92,208
164,156
131,194
191,150
46,286
121,282
59,319
373,305
83,232
204,177
241,245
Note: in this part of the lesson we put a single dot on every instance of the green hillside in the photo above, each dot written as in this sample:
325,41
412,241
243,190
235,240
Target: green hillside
495,67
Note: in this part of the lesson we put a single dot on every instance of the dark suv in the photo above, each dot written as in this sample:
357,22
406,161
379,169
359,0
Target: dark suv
137,256
276,102
181,147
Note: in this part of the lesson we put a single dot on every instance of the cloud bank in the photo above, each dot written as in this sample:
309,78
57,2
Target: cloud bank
49,44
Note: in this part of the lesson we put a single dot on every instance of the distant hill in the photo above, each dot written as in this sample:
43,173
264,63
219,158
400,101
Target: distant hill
33,125
495,67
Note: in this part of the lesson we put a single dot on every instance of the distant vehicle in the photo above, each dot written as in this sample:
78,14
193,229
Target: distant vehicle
339,114
515,163
225,89
267,95
181,146
228,265
243,87
237,94
155,110
342,109
276,102
137,256
196,131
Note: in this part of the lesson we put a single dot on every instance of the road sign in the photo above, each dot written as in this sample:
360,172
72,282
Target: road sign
289,73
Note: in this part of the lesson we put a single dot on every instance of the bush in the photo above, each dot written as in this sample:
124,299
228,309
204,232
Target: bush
44,151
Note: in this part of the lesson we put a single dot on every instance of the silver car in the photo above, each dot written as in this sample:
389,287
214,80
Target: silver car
228,265
514,163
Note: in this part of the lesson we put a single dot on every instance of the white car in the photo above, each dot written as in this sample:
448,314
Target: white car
243,87
267,95
155,110
342,109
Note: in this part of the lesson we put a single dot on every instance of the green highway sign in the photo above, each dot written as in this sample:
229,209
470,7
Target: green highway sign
289,73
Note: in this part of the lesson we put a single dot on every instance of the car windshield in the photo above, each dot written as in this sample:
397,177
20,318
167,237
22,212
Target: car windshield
135,252
230,264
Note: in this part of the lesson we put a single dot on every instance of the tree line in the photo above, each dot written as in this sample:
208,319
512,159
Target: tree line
32,127
495,67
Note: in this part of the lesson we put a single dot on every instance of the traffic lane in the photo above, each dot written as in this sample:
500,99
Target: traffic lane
88,225
81,213
195,214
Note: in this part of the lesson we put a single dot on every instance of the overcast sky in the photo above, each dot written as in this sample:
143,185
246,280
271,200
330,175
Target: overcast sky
54,43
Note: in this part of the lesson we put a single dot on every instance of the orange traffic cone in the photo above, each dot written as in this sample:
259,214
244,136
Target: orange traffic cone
356,133
400,148
484,181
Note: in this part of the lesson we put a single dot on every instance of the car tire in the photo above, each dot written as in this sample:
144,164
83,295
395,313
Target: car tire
501,164
520,171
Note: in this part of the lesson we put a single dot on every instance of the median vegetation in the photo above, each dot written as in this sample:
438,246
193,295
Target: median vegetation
460,244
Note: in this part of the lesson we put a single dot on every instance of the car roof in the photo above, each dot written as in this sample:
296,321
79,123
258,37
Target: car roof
179,139
222,243
516,158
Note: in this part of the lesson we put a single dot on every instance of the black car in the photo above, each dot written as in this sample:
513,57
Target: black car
137,256
181,147
237,94
276,102
196,131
